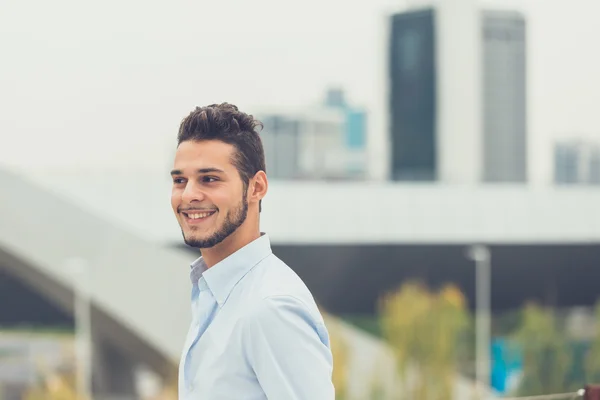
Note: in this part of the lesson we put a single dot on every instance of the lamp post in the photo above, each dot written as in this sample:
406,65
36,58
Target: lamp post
79,270
481,255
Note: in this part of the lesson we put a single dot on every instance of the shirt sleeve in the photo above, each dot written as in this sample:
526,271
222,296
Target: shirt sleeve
289,351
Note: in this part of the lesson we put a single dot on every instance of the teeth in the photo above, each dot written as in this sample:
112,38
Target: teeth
199,215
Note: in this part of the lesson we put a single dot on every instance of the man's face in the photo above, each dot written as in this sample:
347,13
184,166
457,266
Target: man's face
208,196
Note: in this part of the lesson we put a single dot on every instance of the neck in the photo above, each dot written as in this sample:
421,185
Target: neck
238,239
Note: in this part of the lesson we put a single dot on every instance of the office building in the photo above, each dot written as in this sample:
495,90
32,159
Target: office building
457,94
577,162
280,137
322,142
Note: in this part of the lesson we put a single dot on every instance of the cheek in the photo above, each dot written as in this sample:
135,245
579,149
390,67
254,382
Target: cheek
223,199
175,200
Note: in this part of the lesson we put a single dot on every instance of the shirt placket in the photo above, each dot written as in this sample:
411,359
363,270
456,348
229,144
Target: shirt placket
202,306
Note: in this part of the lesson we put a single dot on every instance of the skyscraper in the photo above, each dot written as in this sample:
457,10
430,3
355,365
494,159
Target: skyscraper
413,108
504,97
458,94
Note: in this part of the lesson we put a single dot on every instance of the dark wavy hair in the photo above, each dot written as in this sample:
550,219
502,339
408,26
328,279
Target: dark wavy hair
225,122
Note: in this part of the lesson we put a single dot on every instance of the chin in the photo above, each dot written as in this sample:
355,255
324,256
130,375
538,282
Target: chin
196,238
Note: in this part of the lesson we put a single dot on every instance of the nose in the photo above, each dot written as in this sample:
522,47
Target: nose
192,193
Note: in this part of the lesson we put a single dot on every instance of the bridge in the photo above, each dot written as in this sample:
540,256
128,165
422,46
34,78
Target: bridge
139,290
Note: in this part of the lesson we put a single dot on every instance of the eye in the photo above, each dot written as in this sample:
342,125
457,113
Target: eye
209,179
178,181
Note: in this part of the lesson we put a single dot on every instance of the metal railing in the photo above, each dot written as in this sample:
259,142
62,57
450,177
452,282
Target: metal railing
590,392
557,396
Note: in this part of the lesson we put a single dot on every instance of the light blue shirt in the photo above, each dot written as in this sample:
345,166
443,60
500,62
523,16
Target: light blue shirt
256,332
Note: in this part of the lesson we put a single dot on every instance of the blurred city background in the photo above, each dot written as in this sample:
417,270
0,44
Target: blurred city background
434,177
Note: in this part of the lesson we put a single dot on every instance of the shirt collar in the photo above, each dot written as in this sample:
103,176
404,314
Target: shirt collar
223,276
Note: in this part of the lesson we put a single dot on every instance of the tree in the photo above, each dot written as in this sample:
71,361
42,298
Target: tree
339,350
377,388
546,358
54,386
451,320
425,330
592,360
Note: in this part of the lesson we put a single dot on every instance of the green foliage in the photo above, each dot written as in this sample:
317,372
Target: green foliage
432,334
546,356
54,387
376,391
425,331
592,360
368,323
339,350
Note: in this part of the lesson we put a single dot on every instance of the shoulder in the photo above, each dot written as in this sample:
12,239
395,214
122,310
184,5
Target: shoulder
285,306
277,288
283,320
275,291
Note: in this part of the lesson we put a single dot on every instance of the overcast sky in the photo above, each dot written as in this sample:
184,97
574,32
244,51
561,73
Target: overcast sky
105,83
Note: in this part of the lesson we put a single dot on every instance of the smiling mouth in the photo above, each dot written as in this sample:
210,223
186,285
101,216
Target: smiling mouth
197,216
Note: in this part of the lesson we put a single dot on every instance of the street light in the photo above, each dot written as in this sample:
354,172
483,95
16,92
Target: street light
481,255
79,270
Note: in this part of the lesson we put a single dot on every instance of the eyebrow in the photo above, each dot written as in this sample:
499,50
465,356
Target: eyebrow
200,171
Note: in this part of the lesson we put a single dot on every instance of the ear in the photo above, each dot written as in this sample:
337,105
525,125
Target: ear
258,187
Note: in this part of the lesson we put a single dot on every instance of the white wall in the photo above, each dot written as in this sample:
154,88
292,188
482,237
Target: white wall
459,124
359,212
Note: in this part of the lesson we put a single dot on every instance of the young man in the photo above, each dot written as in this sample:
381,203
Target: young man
256,332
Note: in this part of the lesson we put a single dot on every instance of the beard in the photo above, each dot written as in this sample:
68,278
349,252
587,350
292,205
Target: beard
233,220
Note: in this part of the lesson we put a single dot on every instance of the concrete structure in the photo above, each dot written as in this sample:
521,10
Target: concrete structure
132,325
353,212
457,96
407,229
